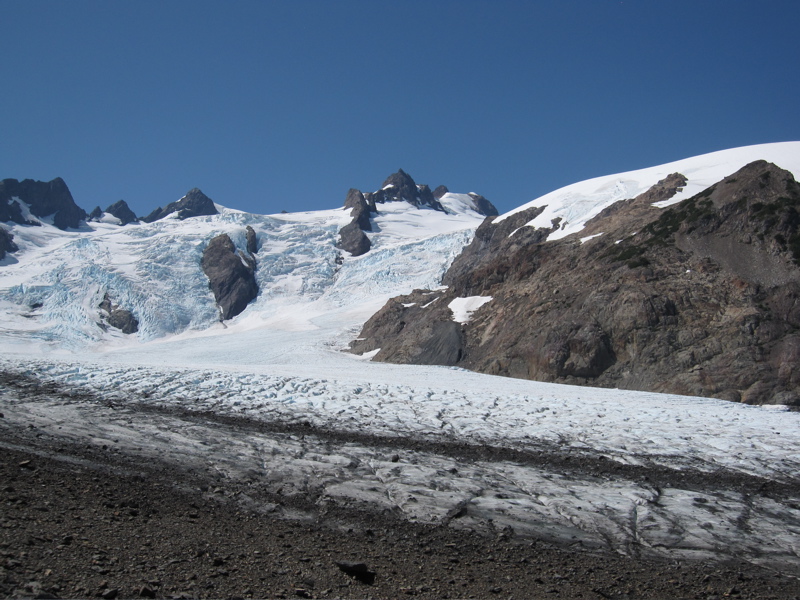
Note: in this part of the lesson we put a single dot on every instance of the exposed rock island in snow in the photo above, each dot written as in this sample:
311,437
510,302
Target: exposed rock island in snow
632,473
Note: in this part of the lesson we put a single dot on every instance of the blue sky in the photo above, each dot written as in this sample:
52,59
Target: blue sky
270,106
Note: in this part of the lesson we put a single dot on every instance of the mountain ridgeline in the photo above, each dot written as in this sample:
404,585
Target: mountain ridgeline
227,260
659,290
700,298
398,187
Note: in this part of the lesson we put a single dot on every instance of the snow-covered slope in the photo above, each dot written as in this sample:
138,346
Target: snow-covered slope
577,203
51,288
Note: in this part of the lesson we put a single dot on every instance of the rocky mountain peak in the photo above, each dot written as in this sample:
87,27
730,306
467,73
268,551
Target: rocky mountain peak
482,205
43,199
119,209
440,191
401,187
194,204
122,211
398,187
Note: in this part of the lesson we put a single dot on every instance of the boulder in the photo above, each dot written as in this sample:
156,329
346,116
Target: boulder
231,276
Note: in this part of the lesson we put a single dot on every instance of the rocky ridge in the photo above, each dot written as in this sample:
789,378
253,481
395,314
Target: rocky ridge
42,199
398,187
699,298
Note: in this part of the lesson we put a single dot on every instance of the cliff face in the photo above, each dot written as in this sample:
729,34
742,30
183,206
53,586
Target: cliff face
701,298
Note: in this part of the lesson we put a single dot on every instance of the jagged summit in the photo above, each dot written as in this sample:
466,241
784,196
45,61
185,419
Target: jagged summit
194,204
119,213
401,187
122,211
440,191
22,200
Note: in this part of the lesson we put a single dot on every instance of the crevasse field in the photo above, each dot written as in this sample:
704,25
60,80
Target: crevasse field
283,361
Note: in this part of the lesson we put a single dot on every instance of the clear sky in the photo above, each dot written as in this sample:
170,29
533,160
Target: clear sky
270,106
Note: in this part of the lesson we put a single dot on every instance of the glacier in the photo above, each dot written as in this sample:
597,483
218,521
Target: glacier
51,290
661,475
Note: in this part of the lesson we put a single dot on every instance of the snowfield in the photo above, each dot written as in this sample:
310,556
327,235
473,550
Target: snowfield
577,203
630,472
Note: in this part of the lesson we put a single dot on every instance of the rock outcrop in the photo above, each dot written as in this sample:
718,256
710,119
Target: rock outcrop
483,206
194,204
6,243
118,317
43,199
352,237
231,276
252,240
360,209
701,298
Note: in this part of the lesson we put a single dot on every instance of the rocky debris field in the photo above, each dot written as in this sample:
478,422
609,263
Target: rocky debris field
91,517
86,522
